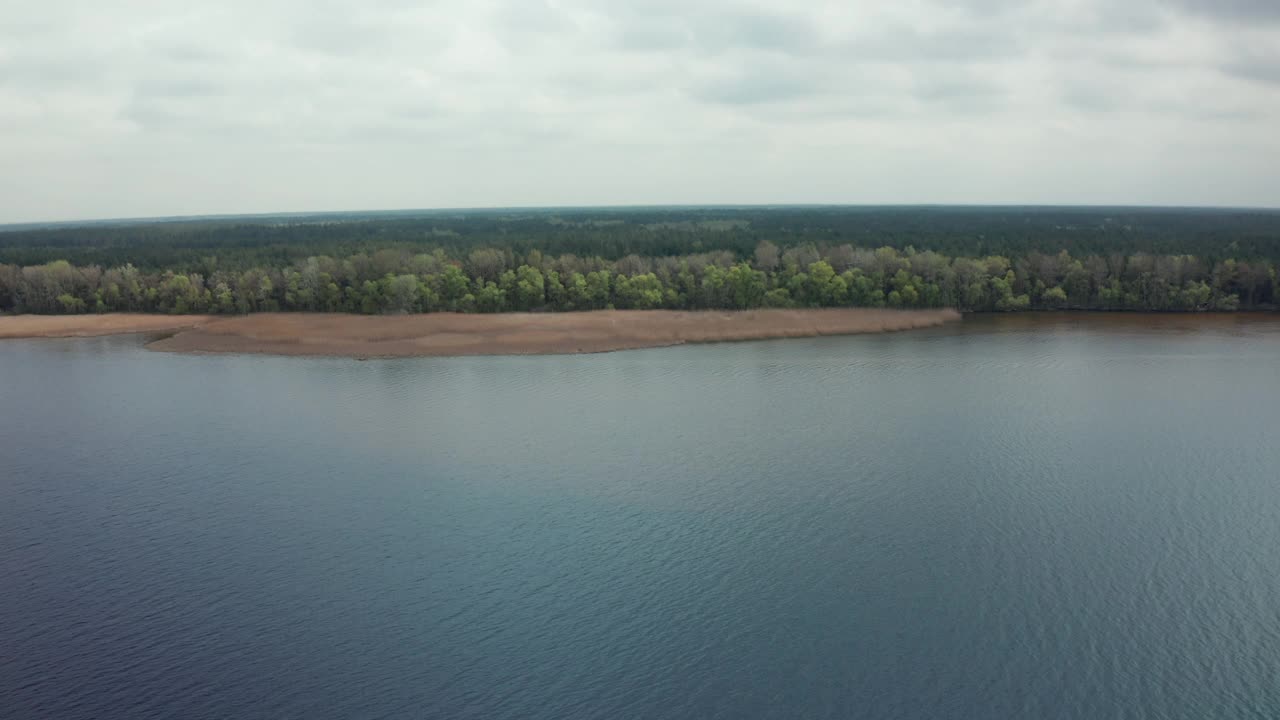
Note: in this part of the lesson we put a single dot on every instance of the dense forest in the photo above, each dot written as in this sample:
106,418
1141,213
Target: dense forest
974,259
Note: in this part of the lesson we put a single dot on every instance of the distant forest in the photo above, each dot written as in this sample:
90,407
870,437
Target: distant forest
971,258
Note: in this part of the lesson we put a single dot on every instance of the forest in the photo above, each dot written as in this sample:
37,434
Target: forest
973,259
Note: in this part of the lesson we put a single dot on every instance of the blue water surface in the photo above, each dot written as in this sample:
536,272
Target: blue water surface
990,520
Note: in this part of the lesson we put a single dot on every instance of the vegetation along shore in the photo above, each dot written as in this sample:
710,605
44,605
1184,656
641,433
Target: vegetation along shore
972,259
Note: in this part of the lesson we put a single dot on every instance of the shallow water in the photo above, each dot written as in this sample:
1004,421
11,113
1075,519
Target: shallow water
1010,518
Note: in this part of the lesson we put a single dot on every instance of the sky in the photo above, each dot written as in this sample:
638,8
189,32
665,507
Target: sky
135,108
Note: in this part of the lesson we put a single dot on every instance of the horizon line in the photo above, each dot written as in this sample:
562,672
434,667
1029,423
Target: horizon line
215,216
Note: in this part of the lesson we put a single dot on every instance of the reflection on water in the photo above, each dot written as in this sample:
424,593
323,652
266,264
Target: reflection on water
1019,516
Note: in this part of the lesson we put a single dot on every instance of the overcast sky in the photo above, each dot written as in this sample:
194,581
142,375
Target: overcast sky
133,108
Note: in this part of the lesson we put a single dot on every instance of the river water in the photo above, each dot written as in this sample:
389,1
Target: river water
1030,517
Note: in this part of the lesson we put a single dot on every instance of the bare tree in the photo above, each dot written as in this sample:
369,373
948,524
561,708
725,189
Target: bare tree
766,256
801,256
839,257
486,263
632,265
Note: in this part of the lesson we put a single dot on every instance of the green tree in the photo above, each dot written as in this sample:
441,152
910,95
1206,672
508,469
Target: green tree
454,286
401,294
1054,297
747,287
530,290
599,290
640,292
490,298
825,287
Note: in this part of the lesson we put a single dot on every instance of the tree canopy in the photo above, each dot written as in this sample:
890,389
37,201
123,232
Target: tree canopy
977,259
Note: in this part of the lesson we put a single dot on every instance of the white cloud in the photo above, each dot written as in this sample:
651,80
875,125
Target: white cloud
153,108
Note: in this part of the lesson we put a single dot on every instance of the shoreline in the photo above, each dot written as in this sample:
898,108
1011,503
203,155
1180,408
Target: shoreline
449,334
15,327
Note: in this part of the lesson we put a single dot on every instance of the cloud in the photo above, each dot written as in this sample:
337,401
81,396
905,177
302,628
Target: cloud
1265,70
1092,97
190,87
960,92
504,102
641,36
760,83
756,30
1235,11
907,44
981,8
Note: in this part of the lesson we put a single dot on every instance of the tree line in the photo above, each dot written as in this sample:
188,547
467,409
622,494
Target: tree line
207,245
500,279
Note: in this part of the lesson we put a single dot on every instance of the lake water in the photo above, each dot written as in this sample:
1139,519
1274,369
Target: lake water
1010,518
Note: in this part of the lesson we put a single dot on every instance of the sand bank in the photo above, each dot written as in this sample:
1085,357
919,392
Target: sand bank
60,326
451,334
518,334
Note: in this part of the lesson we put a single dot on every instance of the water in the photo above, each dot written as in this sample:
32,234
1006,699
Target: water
1013,518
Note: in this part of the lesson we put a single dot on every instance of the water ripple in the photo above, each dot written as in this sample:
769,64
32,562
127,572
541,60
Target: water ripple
962,522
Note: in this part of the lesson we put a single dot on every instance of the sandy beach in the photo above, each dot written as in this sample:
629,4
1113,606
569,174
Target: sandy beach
441,334
64,326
